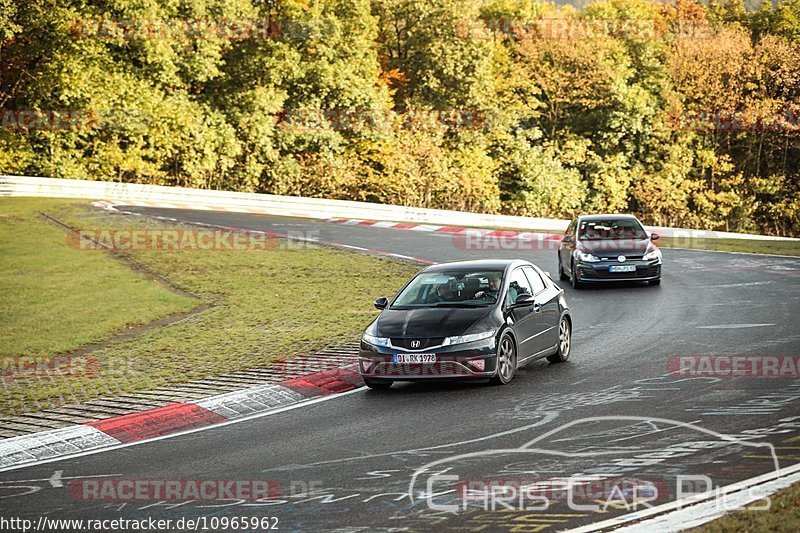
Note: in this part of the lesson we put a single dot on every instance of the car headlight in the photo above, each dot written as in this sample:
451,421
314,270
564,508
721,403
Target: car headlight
376,341
655,254
472,337
589,258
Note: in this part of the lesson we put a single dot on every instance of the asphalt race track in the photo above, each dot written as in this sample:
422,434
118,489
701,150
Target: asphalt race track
348,464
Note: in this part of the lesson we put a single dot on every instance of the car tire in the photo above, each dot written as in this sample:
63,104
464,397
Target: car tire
574,277
377,385
564,342
506,360
561,274
654,282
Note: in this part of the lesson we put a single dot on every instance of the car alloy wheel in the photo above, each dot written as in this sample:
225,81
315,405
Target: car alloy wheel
564,342
506,360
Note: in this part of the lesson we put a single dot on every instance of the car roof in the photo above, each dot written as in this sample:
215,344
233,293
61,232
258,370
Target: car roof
608,215
479,264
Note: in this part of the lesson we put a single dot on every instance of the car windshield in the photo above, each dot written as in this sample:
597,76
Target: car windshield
451,289
610,229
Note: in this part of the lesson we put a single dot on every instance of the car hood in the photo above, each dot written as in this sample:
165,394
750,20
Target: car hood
614,248
427,322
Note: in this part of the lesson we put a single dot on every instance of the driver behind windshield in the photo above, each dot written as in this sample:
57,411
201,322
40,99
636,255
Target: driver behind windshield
445,293
610,230
493,292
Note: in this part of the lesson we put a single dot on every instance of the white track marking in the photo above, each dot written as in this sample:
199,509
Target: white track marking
705,512
735,285
45,445
187,432
784,475
734,326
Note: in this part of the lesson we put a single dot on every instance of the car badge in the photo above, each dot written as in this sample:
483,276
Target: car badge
416,344
622,259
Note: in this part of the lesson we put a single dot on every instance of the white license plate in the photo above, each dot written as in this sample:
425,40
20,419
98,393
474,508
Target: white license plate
414,358
622,268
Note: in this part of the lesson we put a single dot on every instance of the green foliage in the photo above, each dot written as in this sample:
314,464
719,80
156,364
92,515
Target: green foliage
683,113
536,183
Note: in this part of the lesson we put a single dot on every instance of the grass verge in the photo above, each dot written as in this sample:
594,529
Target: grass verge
734,245
783,515
262,306
55,298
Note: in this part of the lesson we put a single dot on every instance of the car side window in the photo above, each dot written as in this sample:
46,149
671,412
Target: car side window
537,284
518,284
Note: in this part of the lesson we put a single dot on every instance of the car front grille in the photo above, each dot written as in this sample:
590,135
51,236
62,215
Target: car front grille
642,271
438,369
424,343
613,257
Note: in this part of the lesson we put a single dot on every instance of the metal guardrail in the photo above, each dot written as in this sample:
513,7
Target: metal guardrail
295,206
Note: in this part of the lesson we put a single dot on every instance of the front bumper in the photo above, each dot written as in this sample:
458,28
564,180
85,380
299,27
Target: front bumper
600,271
459,361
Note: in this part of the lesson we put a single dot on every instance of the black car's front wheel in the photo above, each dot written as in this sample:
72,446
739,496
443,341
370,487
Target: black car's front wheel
575,283
506,360
378,385
564,342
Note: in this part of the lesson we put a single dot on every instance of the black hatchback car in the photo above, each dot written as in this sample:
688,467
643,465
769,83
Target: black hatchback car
601,248
467,320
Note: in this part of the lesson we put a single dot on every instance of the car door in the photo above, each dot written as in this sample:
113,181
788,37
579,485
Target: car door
545,306
525,319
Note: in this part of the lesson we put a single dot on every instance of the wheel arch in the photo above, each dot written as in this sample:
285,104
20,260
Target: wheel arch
506,328
566,314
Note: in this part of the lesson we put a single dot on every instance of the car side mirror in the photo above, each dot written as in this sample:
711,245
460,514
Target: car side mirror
654,236
523,300
567,238
381,303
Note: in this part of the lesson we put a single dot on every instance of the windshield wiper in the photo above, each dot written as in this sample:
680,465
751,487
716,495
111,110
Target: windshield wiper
439,304
458,304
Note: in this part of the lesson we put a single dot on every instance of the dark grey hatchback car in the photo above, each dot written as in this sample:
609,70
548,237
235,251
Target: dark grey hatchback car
604,248
467,320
